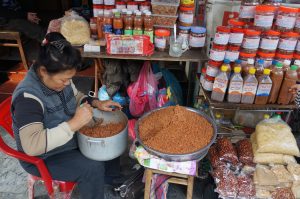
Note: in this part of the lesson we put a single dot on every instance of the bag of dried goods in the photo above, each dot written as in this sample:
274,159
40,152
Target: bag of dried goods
296,189
281,173
262,193
75,29
275,136
283,193
245,152
294,169
214,157
264,176
246,188
227,185
227,151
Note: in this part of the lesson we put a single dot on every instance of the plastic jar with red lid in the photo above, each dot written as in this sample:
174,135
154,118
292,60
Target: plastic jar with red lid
247,10
286,18
120,5
236,36
217,52
267,57
235,23
98,10
269,41
232,53
297,25
145,6
132,6
251,41
212,68
197,37
208,83
108,9
297,56
288,42
264,16
186,16
162,39
245,56
298,46
283,58
222,35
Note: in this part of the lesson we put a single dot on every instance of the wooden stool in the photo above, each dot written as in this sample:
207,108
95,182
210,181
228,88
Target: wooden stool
8,37
176,178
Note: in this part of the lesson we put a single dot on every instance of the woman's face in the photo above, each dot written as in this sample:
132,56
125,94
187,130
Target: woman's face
57,81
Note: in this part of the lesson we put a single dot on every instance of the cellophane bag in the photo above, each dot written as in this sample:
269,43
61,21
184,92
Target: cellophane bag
143,93
227,151
246,188
214,157
294,170
283,193
227,184
245,152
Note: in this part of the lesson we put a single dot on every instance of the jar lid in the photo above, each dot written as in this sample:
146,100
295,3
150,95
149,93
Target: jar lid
233,48
184,27
203,70
198,29
132,3
235,22
290,34
283,56
247,55
162,33
120,3
219,47
237,30
265,55
209,78
296,56
251,32
184,8
215,63
146,3
288,9
223,29
272,33
98,6
265,8
109,7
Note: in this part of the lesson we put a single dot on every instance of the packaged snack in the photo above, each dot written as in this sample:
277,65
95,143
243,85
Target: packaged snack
227,151
214,157
246,187
245,152
282,174
294,170
283,193
264,176
226,181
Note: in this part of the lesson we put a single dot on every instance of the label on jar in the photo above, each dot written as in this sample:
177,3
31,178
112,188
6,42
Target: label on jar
137,32
120,7
232,55
298,46
107,28
263,20
118,31
247,12
269,44
207,85
298,22
109,2
286,21
249,88
221,39
251,43
268,63
212,71
160,42
220,85
217,55
186,18
142,8
286,44
97,1
236,38
184,36
132,7
98,12
150,34
197,41
235,87
128,32
264,90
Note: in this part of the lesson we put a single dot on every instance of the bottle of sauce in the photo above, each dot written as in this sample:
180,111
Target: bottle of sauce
107,22
220,85
290,79
148,25
246,68
264,88
118,24
249,88
138,24
276,77
128,20
259,68
235,86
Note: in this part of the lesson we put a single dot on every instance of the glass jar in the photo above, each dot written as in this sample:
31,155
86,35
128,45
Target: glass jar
186,16
197,37
286,19
288,42
236,36
132,6
264,16
93,27
247,10
98,10
145,6
245,56
283,58
120,5
267,57
162,39
108,10
232,53
217,52
208,83
235,23
251,41
212,69
269,41
184,32
222,35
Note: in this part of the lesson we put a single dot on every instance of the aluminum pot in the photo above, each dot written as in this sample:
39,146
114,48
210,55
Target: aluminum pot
104,149
197,155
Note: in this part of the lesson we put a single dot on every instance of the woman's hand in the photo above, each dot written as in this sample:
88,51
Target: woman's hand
82,117
107,105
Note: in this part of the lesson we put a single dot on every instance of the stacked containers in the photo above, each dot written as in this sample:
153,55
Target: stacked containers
164,12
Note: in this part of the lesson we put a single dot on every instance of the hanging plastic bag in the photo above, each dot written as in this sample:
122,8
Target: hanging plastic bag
143,92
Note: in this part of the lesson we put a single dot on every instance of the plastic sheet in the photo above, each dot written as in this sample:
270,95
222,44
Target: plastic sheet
227,151
245,152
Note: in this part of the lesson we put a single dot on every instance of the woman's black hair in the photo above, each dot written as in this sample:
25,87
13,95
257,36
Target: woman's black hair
57,54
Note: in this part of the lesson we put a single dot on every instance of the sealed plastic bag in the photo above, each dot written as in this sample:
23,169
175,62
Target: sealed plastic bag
246,188
245,151
143,93
275,136
296,189
227,185
227,151
294,170
282,174
283,193
264,176
214,157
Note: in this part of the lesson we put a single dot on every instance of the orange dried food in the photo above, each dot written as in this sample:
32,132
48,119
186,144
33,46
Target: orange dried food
175,130
100,130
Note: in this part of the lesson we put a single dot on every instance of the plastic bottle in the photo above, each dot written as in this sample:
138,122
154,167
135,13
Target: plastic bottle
220,85
276,77
128,23
266,116
226,63
107,22
259,68
138,24
245,69
118,24
290,79
148,25
249,88
264,88
274,62
235,86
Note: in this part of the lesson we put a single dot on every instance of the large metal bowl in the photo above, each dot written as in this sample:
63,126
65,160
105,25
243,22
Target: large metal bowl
197,155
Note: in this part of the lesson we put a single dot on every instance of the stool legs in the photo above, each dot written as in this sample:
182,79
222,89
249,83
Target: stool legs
190,186
149,174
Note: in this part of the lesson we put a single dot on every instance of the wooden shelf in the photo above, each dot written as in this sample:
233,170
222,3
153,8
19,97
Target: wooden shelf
215,104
